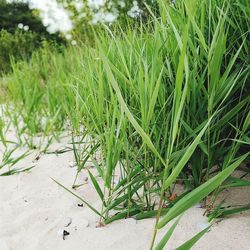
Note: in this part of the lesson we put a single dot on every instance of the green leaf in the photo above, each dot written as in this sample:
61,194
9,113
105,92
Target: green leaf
188,244
167,236
122,215
221,212
80,198
234,211
199,193
121,199
97,188
150,214
183,161
126,110
236,182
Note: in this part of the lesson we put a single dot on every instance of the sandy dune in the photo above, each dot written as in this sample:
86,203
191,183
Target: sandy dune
34,211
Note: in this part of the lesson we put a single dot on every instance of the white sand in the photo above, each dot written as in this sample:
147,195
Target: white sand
34,212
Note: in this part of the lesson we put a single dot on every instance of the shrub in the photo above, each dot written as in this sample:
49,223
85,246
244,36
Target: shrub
19,45
21,32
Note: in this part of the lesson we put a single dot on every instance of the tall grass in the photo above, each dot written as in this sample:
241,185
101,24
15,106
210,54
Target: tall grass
166,102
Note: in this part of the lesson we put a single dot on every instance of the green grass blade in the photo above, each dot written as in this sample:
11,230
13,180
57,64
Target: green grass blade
122,215
183,161
201,192
167,236
126,110
190,243
97,187
80,198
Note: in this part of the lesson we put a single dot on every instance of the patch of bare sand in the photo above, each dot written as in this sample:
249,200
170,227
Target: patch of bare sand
34,211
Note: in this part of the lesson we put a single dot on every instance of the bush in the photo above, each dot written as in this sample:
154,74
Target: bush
19,45
13,14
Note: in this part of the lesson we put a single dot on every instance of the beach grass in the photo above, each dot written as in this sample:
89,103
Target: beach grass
163,102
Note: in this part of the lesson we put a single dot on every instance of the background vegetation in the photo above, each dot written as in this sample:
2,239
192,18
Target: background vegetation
21,32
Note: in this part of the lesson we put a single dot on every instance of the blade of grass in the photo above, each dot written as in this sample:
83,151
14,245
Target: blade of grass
78,197
167,236
201,192
190,243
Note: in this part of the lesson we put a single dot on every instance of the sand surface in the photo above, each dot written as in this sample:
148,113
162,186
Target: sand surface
34,211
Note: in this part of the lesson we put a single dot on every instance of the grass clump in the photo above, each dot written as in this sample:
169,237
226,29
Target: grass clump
164,103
